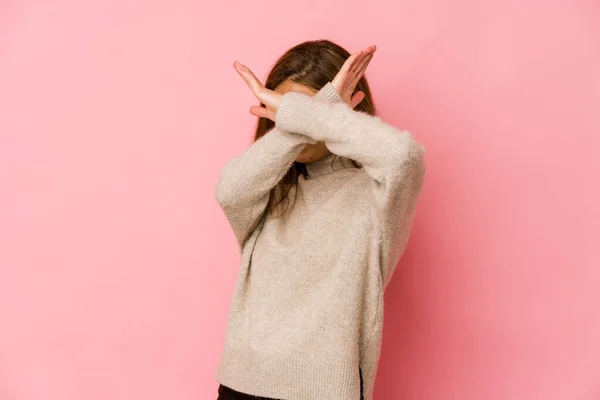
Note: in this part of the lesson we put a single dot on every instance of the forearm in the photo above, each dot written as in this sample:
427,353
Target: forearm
246,180
251,174
382,149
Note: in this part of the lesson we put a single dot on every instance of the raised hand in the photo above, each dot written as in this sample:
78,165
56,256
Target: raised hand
344,83
266,96
351,72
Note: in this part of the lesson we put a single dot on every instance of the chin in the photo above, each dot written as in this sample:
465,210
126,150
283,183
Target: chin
305,155
302,159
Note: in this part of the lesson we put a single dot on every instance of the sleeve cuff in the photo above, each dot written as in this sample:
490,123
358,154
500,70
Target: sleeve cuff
292,114
294,111
328,93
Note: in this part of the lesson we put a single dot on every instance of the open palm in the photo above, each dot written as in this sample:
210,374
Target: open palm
351,72
344,83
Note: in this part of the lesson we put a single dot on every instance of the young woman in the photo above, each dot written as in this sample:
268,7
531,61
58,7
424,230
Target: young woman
306,318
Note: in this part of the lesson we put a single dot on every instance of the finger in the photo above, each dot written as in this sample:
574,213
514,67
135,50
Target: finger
361,55
356,99
363,66
371,48
356,76
350,62
356,61
259,111
249,77
366,54
364,60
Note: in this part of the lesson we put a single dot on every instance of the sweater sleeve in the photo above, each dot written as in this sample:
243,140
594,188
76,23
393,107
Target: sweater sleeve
244,183
391,157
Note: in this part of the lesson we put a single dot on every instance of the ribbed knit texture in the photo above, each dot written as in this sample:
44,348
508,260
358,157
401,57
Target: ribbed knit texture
307,308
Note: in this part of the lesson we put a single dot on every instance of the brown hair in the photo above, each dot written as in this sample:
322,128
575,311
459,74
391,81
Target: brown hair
312,64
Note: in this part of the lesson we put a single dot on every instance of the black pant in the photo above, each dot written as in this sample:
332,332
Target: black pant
227,393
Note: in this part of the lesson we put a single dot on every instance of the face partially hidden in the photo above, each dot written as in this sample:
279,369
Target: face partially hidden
311,152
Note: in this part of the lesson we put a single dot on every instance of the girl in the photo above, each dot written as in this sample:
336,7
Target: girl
306,317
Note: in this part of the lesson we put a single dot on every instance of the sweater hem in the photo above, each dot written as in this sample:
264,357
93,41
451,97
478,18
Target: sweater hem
288,376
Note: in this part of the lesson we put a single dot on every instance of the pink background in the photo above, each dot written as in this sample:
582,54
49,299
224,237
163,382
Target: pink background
117,266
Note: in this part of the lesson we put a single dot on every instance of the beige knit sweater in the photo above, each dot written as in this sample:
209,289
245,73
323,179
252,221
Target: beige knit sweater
307,309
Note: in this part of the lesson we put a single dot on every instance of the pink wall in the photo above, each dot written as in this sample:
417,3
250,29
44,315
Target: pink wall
117,266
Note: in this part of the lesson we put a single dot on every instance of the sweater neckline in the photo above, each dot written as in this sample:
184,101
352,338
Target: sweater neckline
326,165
